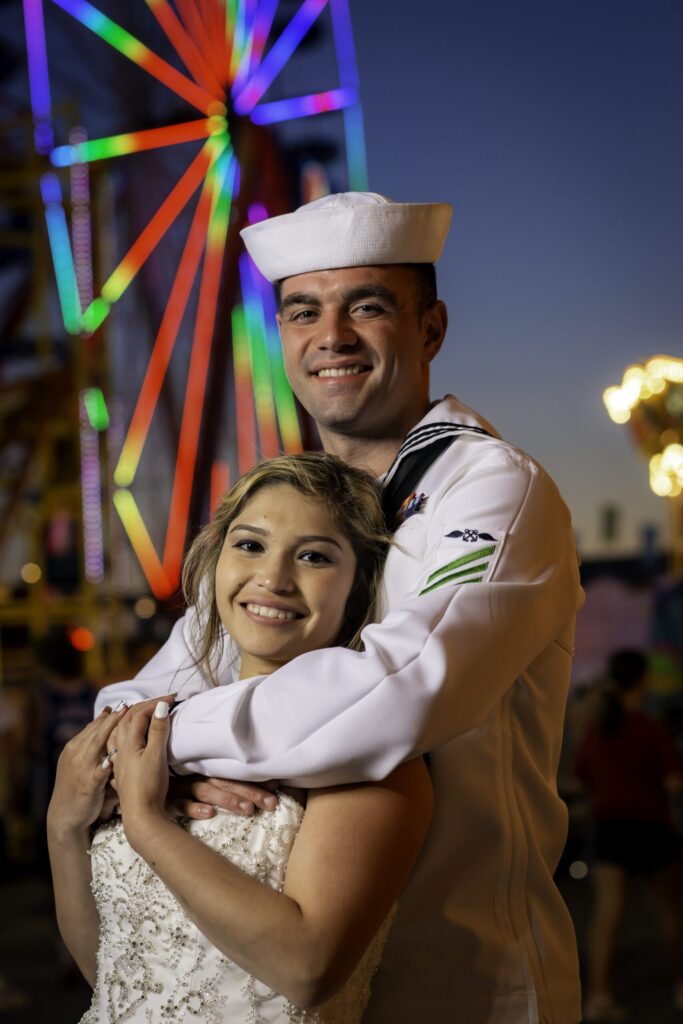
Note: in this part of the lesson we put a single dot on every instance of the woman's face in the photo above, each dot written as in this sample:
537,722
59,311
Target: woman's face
283,578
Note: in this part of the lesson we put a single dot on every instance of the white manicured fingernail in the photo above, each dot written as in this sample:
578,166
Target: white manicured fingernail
120,706
161,710
105,763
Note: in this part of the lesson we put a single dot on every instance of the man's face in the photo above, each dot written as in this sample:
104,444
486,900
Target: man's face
356,351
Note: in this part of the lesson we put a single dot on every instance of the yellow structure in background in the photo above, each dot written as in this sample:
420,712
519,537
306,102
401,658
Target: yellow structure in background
650,400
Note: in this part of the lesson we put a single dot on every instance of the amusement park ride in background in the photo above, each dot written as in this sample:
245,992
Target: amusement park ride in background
650,400
159,132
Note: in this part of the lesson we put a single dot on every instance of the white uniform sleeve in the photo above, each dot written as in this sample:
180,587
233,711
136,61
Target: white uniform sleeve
171,670
431,670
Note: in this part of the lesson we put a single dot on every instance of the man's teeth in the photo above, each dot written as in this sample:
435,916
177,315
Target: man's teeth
269,613
340,371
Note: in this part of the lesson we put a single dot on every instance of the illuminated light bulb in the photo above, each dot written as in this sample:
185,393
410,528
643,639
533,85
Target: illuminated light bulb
578,869
661,484
82,639
145,607
31,573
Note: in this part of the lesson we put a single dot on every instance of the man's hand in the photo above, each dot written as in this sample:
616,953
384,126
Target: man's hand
194,796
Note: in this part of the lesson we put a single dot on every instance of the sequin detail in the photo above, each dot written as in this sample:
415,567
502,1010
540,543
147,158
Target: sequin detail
153,963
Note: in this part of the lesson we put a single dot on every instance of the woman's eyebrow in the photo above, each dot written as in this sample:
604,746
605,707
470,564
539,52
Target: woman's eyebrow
246,526
319,537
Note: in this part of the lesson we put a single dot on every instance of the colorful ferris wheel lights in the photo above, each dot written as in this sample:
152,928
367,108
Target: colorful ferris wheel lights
303,106
177,199
244,395
230,54
141,542
136,51
189,53
165,341
276,58
136,142
223,175
62,257
39,81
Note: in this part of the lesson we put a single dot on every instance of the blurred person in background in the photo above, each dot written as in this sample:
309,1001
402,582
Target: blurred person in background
629,766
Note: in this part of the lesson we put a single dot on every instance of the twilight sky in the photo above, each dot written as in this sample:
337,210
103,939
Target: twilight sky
554,127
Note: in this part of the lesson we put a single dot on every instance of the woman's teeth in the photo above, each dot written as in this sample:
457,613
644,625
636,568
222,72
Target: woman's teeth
269,613
340,371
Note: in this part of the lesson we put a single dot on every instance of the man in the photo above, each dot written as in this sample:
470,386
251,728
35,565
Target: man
471,659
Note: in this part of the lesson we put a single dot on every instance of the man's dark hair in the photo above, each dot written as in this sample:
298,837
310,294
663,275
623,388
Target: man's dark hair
425,280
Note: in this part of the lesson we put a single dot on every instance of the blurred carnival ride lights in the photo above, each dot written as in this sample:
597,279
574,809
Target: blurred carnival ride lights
223,47
650,398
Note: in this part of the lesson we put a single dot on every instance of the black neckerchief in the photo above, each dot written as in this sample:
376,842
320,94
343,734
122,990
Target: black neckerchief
421,448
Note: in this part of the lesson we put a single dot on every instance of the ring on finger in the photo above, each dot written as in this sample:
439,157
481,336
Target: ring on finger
107,759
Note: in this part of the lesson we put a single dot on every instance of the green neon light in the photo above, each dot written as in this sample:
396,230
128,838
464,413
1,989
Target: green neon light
96,408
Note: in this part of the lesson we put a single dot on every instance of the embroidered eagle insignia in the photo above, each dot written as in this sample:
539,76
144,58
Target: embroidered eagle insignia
470,536
413,504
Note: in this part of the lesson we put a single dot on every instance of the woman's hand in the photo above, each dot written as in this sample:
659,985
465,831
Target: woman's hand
141,766
82,776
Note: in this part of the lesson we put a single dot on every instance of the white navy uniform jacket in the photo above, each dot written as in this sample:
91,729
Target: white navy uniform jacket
470,662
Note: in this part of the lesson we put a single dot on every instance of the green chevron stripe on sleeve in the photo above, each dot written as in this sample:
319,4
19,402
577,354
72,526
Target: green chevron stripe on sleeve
450,579
471,556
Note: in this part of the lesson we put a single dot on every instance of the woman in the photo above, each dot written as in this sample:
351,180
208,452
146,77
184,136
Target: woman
629,764
234,919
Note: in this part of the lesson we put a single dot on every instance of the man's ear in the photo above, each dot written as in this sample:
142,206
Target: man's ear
434,325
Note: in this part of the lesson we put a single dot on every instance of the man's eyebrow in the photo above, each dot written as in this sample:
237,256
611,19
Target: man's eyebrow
299,299
370,291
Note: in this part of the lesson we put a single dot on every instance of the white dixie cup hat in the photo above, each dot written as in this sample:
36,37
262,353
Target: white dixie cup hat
348,229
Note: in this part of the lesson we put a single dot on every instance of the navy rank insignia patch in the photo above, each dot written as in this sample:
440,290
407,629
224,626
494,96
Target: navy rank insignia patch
413,504
470,536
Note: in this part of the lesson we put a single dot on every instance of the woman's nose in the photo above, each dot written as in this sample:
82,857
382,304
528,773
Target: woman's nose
277,577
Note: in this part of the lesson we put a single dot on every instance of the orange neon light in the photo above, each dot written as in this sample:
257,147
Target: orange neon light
197,29
141,542
157,227
194,394
220,482
179,83
165,341
185,46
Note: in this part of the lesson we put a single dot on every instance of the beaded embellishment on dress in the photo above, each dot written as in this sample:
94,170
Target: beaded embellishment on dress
153,963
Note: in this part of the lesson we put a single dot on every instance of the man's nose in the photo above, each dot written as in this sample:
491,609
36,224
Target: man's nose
336,331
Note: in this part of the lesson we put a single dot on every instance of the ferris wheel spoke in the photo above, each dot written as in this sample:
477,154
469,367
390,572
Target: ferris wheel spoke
184,45
62,255
136,142
260,30
39,79
258,360
303,106
285,406
141,542
140,54
175,201
165,341
278,55
223,175
210,47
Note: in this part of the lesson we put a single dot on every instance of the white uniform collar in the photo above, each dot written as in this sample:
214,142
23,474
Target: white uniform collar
449,410
446,420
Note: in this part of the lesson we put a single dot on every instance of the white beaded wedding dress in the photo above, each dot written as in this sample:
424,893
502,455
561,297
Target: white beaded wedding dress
153,963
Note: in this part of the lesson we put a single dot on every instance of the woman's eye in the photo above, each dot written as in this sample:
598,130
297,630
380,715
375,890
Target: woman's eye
250,546
315,557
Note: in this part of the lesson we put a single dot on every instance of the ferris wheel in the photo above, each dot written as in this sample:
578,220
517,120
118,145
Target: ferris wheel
255,109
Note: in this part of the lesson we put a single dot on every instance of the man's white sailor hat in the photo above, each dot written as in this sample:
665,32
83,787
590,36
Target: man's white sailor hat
349,229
